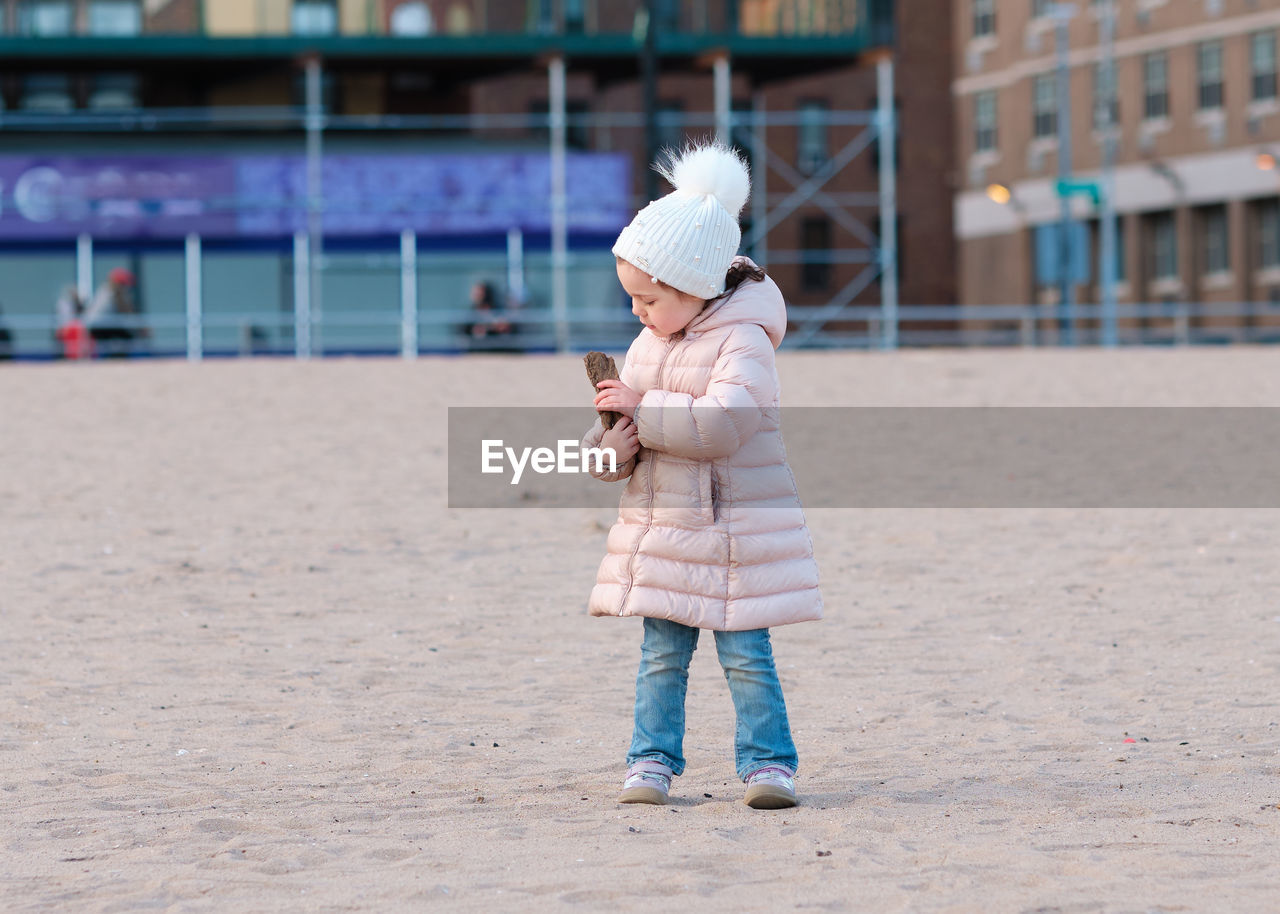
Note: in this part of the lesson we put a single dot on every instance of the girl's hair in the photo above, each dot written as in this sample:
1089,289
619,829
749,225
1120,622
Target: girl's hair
739,272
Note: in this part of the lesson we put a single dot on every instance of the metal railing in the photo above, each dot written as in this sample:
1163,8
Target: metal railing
290,208
174,334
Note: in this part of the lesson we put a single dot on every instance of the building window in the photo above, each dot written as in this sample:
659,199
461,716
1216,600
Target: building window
577,132
984,18
328,90
575,16
670,124
1213,228
1040,9
742,125
46,18
540,119
47,92
1164,246
984,121
539,18
811,144
1155,81
1209,56
315,17
412,20
1262,65
1106,104
458,20
114,92
1269,234
666,15
1044,106
815,246
116,18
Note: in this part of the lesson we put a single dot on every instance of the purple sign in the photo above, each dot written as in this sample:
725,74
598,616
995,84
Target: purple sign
45,198
124,197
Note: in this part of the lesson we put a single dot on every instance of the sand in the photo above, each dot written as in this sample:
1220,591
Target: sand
253,662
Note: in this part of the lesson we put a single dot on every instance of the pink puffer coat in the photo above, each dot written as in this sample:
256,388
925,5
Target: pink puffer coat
710,532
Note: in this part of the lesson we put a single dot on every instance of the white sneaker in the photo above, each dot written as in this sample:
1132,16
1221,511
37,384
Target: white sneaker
648,781
771,788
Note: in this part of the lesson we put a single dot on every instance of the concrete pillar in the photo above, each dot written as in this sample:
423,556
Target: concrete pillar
559,206
408,294
723,97
886,120
1239,261
193,272
1188,271
84,268
314,123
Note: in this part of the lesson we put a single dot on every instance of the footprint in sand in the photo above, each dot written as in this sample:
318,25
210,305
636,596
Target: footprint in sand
390,854
220,826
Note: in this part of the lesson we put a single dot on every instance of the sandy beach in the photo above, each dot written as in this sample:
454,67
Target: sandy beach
254,662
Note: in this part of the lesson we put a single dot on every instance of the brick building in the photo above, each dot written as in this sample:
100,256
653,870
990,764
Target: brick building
802,147
1197,125
802,63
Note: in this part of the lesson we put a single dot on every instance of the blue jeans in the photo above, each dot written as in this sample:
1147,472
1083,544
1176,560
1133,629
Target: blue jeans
762,736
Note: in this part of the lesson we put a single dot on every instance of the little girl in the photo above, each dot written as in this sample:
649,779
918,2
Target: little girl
710,532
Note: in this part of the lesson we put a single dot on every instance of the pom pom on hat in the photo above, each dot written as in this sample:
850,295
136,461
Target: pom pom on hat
713,170
688,238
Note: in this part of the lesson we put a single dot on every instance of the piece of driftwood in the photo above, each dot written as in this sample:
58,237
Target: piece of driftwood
601,367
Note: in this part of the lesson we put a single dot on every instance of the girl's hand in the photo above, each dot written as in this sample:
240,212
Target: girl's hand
618,397
623,438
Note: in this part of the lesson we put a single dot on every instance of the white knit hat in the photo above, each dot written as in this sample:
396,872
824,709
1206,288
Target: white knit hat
689,238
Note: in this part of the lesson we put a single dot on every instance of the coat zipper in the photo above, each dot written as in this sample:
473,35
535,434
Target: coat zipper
631,562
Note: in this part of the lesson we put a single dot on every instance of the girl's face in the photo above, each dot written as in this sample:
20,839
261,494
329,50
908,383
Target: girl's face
662,309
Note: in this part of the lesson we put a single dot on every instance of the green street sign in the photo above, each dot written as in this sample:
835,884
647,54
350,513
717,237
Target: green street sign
1068,188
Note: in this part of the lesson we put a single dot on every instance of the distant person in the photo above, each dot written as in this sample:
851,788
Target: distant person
112,315
488,323
6,339
72,333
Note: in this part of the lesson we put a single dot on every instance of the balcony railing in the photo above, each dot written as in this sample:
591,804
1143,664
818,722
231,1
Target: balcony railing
426,18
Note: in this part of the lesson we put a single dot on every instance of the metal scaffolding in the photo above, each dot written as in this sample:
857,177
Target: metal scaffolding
750,129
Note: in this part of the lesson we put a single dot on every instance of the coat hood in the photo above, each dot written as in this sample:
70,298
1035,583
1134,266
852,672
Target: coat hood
750,303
